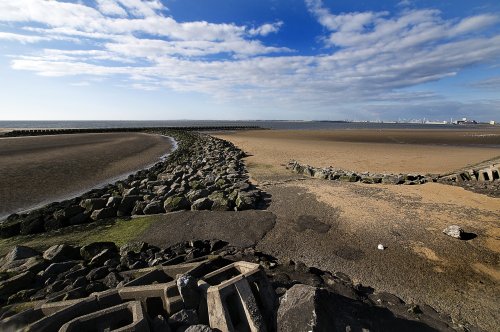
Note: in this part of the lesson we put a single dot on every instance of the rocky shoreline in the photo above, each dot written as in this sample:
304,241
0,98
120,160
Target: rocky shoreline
331,173
489,188
46,291
203,173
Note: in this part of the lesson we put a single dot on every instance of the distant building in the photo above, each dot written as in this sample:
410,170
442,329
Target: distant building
465,121
492,122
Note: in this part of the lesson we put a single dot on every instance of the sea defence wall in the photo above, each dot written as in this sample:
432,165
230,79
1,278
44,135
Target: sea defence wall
39,132
481,173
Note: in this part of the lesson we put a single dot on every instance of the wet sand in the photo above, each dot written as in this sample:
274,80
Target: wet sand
337,226
37,170
397,151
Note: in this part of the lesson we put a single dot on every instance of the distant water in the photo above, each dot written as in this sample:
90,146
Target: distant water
265,124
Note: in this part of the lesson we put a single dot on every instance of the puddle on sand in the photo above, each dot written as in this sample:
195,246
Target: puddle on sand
311,222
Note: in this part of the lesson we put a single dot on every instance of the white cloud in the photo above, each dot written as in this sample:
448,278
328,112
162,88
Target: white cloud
21,38
375,56
266,29
110,7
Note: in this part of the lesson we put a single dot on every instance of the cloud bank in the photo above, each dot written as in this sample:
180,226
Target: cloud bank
368,61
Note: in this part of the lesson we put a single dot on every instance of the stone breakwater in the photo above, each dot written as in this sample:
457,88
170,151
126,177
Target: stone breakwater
203,173
330,173
202,285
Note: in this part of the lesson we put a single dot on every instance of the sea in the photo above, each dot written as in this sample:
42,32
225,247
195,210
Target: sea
284,125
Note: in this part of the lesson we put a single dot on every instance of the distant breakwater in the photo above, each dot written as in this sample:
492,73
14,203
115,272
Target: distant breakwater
40,132
203,173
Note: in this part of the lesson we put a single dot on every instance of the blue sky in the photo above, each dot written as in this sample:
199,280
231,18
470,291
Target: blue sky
249,59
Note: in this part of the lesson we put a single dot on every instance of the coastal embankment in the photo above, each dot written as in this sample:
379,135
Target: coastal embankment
38,170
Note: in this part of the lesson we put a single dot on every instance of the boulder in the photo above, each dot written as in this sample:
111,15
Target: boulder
135,247
104,256
188,290
303,308
104,213
138,208
90,250
10,228
79,219
16,283
220,203
58,268
454,231
92,204
20,252
131,192
202,204
66,213
245,201
127,205
193,195
61,252
154,208
97,273
176,203
183,317
32,224
32,264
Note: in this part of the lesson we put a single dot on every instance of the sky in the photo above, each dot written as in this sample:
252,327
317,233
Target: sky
249,59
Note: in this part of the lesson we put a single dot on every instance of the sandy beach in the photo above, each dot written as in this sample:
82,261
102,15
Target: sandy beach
337,226
398,151
38,170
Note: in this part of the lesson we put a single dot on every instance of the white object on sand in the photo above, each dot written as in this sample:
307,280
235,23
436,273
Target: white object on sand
381,247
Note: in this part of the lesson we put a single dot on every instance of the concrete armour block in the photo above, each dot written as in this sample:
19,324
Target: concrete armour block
125,317
239,298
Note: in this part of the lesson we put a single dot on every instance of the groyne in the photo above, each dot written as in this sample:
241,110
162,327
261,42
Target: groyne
39,132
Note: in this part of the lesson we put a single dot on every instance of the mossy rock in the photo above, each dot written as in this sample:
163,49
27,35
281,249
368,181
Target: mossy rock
176,203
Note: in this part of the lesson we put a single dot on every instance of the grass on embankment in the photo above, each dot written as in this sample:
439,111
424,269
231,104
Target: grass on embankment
119,231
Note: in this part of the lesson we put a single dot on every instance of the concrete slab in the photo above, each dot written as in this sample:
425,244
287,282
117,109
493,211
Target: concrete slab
242,228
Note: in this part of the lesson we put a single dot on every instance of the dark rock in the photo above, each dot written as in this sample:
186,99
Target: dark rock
15,284
19,252
202,204
139,208
10,228
183,317
220,203
92,204
112,279
104,213
97,273
61,252
58,268
114,202
103,256
66,213
94,287
127,205
131,192
80,282
188,290
32,224
90,250
154,208
80,218
160,324
245,201
176,203
135,247
298,310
